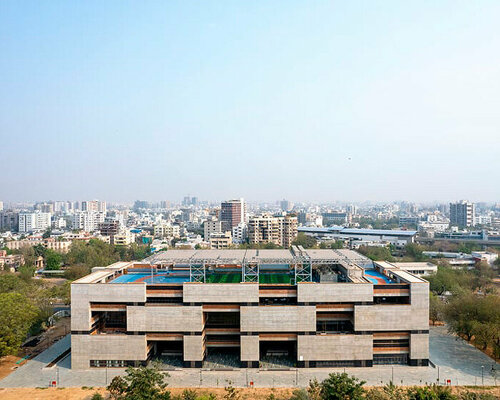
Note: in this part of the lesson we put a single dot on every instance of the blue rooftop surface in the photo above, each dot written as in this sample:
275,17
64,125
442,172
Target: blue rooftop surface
376,277
152,279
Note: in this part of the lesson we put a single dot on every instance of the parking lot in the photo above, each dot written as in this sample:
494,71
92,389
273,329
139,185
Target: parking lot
455,361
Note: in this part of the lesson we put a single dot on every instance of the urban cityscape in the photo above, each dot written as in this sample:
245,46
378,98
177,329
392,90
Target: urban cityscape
256,200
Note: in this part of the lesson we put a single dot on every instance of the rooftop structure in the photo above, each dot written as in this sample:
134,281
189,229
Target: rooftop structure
250,308
356,234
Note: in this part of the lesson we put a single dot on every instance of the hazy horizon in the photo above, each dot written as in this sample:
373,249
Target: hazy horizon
324,101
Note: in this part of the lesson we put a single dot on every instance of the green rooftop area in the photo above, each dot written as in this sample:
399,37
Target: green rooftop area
272,279
224,278
265,279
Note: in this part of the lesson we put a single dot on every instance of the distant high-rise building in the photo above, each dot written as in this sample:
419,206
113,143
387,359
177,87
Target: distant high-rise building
462,214
194,201
87,221
352,209
138,204
34,221
269,229
286,205
232,213
9,221
1,205
94,205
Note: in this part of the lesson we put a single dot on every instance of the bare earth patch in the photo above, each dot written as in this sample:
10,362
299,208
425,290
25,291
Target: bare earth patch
86,394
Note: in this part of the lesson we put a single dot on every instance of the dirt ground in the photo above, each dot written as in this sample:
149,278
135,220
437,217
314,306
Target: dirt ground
7,364
86,394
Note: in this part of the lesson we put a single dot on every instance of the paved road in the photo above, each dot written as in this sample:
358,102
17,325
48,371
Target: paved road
455,360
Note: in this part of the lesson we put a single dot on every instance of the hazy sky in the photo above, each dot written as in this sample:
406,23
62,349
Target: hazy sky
308,100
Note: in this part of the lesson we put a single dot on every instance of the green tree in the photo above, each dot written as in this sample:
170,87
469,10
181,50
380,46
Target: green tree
414,251
436,308
53,260
16,318
376,253
306,241
342,387
143,383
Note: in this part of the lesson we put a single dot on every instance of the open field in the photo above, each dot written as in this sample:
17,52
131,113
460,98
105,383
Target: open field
246,394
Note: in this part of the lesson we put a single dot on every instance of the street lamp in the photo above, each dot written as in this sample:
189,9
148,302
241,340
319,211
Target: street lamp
482,375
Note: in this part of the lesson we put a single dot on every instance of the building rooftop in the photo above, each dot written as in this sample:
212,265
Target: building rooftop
263,266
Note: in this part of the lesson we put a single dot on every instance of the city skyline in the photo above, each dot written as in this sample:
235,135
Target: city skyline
333,100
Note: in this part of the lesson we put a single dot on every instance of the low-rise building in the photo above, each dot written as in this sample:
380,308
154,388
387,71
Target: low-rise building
414,267
305,308
167,230
221,241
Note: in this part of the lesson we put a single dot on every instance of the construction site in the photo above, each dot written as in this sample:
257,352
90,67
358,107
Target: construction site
249,308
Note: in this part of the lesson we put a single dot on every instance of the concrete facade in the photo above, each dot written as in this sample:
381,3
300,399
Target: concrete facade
331,324
335,347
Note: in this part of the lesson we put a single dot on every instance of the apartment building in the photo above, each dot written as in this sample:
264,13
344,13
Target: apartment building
462,214
94,206
240,233
270,229
211,227
9,221
250,308
167,230
61,246
88,221
232,212
34,221
221,240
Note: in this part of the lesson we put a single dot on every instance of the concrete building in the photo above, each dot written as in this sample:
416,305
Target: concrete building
221,240
109,227
232,212
486,256
123,239
34,221
304,308
211,227
167,230
462,214
336,218
270,229
354,235
1,205
240,233
88,221
9,221
61,246
415,268
94,206
286,205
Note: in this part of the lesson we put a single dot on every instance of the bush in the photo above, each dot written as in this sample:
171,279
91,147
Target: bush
341,387
300,394
97,396
143,383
